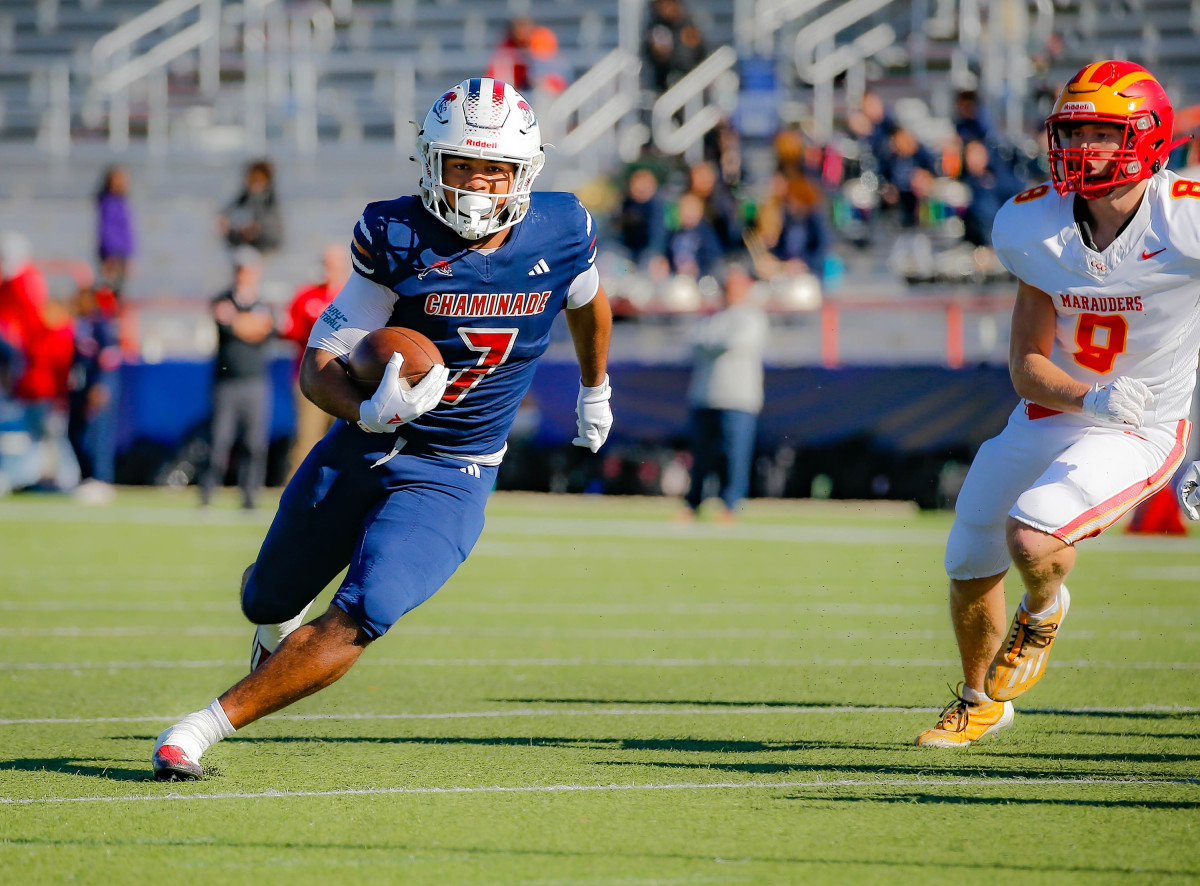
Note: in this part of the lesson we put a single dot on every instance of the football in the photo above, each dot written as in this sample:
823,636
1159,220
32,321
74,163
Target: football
367,360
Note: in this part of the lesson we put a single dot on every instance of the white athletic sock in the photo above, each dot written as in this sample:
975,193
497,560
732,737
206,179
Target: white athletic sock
1037,617
974,696
196,732
270,636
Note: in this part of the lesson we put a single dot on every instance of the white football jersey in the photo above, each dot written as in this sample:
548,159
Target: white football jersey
1133,309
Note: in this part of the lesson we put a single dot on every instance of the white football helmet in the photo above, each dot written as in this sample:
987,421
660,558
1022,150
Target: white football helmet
488,119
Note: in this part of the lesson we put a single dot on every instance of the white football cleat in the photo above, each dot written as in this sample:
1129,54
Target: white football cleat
171,762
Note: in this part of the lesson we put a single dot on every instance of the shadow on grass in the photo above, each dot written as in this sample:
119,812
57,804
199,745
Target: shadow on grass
86,766
818,705
1022,802
993,868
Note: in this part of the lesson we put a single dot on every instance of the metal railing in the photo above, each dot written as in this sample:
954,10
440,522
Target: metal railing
688,96
615,75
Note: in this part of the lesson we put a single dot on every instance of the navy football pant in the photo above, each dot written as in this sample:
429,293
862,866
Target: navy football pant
402,528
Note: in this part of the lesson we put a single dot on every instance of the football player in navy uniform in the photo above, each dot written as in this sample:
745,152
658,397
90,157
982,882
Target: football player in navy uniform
396,490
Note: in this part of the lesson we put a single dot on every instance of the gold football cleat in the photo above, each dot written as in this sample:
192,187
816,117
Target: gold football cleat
1021,661
962,722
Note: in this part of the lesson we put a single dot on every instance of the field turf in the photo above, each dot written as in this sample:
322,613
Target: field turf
599,696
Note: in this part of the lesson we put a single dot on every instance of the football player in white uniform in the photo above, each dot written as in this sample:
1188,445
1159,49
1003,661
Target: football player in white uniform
1103,351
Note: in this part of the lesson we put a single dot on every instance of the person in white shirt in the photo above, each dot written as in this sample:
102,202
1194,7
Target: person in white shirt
1103,352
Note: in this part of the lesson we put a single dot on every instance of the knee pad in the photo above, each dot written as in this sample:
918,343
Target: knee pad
974,551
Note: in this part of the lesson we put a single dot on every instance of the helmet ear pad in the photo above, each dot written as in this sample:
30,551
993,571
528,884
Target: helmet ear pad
486,119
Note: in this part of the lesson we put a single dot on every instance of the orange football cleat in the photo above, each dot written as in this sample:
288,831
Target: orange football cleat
1022,660
963,722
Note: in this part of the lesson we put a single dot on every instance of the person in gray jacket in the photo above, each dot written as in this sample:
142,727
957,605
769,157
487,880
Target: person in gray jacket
726,391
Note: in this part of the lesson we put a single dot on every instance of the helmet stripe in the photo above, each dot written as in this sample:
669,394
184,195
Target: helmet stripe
497,102
1085,75
1130,79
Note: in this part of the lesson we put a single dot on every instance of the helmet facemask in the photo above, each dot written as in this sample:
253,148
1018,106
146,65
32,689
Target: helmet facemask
489,120
1069,166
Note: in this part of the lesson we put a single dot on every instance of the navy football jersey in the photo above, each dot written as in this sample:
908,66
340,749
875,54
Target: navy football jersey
489,314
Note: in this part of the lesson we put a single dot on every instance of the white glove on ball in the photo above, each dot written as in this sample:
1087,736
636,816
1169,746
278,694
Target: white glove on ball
1122,400
395,404
1189,491
593,415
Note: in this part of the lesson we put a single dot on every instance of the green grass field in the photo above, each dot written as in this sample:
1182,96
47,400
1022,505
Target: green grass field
599,696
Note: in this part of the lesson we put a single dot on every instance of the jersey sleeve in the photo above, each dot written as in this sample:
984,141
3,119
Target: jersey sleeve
1015,230
1181,211
367,243
586,282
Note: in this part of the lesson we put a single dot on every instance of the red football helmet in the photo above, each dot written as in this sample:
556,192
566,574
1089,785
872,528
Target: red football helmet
1120,93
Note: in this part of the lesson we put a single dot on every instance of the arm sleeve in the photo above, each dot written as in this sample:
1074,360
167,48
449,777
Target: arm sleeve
359,308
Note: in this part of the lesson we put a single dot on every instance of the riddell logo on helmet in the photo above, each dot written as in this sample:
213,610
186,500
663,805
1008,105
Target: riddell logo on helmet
476,143
1071,107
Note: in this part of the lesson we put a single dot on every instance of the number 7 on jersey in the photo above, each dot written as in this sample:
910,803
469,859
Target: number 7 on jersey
493,347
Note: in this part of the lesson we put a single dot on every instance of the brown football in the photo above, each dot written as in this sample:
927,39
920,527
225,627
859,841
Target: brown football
370,356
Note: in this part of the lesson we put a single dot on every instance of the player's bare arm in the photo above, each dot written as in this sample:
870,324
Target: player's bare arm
591,330
1034,377
325,383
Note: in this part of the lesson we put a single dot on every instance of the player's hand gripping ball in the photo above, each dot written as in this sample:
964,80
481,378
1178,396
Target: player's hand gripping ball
411,377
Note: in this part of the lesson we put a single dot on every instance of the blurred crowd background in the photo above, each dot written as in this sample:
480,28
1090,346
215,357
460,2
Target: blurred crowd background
843,161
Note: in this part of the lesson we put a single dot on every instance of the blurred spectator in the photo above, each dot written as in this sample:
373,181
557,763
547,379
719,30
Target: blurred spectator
511,58
23,294
990,185
672,45
94,390
640,224
693,248
794,227
253,218
241,389
971,120
723,148
872,125
908,173
721,208
726,392
114,228
307,304
548,70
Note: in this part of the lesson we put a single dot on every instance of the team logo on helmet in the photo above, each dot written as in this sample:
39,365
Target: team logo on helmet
527,114
442,104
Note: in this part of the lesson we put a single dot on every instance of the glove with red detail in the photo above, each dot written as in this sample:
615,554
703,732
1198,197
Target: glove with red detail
593,415
1124,400
395,404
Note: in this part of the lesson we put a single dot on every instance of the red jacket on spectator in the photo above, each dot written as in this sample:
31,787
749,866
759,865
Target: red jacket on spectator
307,305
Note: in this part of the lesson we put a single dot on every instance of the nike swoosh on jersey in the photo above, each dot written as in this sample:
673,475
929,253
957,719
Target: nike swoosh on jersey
1146,255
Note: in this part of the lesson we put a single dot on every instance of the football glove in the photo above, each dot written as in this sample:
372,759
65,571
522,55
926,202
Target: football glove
395,404
593,415
1124,400
1189,491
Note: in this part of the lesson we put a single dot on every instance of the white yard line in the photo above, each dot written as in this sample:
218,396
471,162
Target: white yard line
575,527
171,664
925,783
631,711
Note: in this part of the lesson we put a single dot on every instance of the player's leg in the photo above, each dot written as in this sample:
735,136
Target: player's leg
737,436
1091,485
256,418
224,430
409,545
311,540
706,435
976,562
